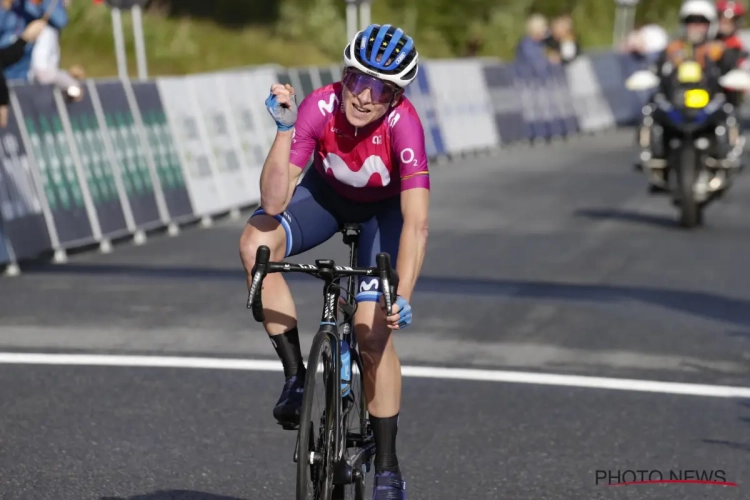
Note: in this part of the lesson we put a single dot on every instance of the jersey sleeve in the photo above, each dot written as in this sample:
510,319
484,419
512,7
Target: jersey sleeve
408,141
311,120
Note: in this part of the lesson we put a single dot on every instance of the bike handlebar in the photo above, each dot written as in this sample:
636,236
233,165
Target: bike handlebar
322,269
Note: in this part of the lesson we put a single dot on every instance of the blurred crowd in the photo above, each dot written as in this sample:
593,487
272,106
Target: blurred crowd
646,42
548,42
30,48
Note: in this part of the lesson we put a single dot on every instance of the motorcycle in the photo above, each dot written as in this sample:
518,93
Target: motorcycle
701,160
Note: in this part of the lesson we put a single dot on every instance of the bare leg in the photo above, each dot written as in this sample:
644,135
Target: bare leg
280,313
382,374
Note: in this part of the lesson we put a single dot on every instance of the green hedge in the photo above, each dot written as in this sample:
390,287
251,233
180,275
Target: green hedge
187,36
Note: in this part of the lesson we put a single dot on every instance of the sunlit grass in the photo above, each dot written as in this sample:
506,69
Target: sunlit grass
314,34
176,46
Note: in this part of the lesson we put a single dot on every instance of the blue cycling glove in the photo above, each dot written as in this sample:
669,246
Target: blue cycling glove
285,117
404,312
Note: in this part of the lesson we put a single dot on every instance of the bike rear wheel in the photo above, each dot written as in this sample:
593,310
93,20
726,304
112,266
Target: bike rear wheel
316,434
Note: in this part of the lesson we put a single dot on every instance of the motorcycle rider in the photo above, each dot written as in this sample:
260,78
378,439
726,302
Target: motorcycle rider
699,20
731,18
731,15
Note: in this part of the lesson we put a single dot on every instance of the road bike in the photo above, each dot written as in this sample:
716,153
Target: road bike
333,463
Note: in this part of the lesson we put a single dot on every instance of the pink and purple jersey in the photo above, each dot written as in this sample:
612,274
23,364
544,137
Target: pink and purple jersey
367,164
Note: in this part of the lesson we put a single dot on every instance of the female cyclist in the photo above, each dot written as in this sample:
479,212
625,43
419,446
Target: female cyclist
369,167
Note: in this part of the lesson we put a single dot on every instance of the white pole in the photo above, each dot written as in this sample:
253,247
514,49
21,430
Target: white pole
364,14
616,30
630,25
624,20
140,43
351,19
122,62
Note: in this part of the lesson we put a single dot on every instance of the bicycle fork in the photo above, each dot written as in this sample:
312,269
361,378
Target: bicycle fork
345,470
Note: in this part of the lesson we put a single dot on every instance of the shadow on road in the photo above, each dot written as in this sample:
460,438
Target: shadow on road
629,216
174,495
729,444
740,334
732,444
705,305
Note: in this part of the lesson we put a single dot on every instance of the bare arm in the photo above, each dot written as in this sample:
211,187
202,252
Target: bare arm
415,204
278,177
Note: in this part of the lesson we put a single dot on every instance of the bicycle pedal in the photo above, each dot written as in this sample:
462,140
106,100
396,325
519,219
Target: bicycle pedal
289,427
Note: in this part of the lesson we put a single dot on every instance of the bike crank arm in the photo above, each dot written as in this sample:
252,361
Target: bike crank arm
296,445
345,471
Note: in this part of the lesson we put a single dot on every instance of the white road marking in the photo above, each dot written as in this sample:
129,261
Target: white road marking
433,372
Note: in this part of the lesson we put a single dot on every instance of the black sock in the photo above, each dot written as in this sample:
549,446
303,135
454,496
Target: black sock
288,350
384,431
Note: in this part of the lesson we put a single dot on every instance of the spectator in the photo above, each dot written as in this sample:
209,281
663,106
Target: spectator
45,65
646,43
15,16
11,55
563,43
531,49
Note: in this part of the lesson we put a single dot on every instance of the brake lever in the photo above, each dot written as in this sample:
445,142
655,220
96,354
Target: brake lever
394,285
259,271
388,280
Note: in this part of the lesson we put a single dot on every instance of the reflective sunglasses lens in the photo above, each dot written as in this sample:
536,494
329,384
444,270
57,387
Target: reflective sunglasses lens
380,91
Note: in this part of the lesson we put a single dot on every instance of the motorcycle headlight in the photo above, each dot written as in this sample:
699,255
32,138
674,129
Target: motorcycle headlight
696,98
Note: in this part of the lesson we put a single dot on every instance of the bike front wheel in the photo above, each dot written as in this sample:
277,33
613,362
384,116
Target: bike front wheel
316,441
360,445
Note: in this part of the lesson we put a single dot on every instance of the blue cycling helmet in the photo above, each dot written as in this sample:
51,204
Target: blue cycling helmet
384,52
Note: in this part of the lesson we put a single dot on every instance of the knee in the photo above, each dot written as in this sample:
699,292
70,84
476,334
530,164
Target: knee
373,336
262,230
374,345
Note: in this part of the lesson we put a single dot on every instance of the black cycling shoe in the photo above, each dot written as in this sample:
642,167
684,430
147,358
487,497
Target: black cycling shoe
287,409
389,486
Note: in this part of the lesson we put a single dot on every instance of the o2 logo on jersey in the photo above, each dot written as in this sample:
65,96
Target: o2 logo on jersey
328,107
408,156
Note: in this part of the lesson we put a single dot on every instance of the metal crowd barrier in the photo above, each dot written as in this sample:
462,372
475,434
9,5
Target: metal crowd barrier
134,156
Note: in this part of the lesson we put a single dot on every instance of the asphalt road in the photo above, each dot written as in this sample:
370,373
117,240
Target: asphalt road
548,260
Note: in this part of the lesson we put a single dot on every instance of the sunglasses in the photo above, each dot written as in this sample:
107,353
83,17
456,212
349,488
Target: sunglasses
381,92
696,20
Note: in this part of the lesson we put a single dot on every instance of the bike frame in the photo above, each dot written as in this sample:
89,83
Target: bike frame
331,274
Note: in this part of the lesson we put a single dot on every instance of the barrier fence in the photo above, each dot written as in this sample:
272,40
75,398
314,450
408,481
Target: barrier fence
136,156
